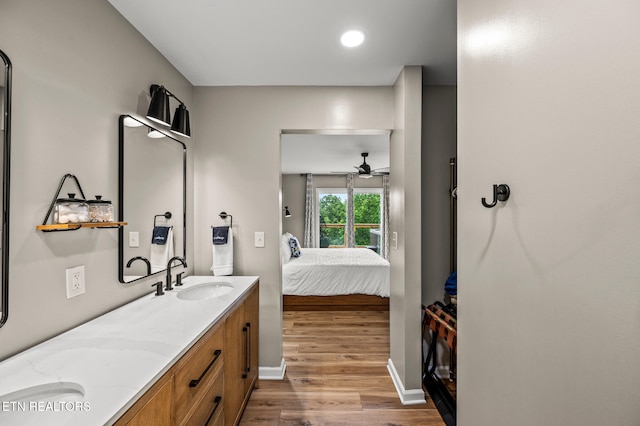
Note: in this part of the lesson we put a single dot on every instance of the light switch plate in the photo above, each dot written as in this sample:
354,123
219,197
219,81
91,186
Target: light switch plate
75,281
259,239
134,239
394,240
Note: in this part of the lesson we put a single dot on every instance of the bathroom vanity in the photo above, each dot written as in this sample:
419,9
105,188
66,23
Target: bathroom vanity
189,356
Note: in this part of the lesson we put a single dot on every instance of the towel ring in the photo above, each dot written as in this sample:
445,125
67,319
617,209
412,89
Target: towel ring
224,215
167,215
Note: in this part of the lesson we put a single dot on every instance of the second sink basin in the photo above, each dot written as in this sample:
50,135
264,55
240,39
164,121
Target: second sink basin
56,391
205,291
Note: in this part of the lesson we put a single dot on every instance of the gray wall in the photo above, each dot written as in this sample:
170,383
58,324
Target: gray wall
549,296
405,220
238,170
77,65
438,146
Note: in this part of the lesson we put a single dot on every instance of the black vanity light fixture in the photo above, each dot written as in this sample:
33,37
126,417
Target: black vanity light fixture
287,213
159,111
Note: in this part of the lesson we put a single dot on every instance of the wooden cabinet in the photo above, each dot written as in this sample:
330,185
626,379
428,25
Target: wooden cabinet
241,365
212,382
153,408
252,312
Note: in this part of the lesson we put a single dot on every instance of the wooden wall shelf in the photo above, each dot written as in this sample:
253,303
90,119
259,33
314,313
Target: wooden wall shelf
74,226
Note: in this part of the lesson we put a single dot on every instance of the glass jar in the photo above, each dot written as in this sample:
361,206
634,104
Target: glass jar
71,210
100,210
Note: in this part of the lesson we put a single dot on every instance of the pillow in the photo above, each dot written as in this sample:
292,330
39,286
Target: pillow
295,247
285,249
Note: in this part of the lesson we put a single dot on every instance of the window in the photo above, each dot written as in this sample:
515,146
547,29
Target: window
367,208
332,217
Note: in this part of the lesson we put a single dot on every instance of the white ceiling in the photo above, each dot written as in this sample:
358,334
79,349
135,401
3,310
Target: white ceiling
296,42
317,153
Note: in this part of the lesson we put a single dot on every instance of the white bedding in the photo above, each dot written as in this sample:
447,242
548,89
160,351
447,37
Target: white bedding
334,271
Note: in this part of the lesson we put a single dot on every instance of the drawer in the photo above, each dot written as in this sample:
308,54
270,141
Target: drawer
218,419
196,373
210,409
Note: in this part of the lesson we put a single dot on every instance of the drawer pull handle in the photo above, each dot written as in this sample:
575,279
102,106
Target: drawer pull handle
245,330
217,401
194,383
248,347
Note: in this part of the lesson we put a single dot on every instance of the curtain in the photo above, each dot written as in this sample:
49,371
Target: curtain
350,231
309,239
384,244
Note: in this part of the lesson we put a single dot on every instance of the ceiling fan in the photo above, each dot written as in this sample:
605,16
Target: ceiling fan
365,171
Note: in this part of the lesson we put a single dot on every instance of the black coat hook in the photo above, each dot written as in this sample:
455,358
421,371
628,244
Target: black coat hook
500,193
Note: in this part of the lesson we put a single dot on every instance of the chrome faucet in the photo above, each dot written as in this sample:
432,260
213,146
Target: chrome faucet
144,259
175,258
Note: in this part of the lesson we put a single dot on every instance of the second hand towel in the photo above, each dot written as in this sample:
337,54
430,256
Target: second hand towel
160,254
222,255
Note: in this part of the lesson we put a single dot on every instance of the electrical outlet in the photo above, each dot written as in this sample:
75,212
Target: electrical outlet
134,239
75,281
259,239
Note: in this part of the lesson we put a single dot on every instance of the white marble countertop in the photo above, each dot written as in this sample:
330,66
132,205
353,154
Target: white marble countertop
106,364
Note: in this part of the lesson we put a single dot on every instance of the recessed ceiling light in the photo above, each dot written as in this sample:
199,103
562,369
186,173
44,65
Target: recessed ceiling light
352,38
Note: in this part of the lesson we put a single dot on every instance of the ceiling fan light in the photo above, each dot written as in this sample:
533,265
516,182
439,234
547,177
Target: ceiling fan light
365,176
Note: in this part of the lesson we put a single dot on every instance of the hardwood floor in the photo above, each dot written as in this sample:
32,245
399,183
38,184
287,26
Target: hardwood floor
336,375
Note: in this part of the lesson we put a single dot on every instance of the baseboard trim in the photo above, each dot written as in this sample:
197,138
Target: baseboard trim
272,373
407,397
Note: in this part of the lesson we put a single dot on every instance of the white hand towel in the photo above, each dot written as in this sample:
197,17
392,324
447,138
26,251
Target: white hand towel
160,254
223,257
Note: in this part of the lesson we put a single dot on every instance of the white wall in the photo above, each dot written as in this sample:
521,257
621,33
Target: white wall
237,168
77,65
549,313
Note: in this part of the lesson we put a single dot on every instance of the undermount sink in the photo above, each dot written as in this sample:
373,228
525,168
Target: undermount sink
56,391
204,291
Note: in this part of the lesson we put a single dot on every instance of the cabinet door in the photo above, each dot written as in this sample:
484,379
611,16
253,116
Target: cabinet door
251,314
153,409
234,365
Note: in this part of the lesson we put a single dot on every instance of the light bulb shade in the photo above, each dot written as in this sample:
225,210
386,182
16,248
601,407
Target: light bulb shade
159,106
153,133
181,123
287,213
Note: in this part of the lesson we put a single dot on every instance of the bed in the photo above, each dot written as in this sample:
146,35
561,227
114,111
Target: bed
336,278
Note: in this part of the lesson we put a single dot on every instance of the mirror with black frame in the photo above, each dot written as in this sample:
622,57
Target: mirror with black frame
5,136
152,199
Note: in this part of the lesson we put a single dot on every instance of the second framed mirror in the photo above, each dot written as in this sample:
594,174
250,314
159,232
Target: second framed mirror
152,199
